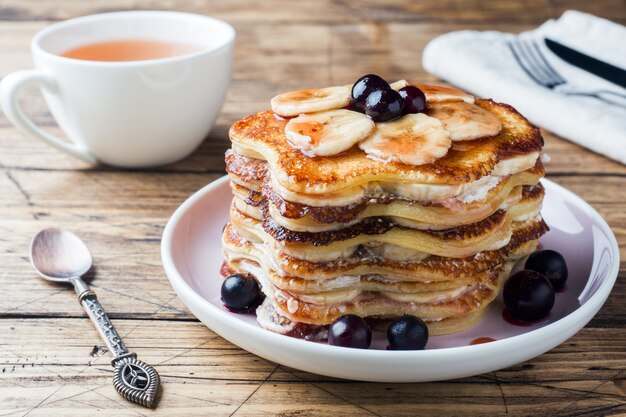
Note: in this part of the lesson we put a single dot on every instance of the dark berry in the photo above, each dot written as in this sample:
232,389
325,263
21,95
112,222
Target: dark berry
407,333
356,106
551,264
365,85
350,331
240,294
528,295
384,105
414,99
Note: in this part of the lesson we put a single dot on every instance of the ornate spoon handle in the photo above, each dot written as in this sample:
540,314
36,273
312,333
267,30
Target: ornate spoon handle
135,380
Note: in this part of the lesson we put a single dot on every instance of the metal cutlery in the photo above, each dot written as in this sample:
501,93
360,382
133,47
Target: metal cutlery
595,66
60,256
533,62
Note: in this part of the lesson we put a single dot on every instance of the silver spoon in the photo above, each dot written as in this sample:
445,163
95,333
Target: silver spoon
60,256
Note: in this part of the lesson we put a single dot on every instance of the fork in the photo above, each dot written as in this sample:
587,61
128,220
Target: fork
530,58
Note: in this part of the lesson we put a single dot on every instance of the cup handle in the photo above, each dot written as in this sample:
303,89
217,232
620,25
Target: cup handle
9,88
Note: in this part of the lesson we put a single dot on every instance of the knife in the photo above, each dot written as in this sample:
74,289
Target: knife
595,66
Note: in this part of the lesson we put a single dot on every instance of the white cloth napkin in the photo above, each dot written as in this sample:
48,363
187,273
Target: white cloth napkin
483,64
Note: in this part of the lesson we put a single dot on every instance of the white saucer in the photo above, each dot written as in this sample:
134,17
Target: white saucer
191,253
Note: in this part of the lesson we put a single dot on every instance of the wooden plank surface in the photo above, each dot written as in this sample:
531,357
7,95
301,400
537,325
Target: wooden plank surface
203,374
51,361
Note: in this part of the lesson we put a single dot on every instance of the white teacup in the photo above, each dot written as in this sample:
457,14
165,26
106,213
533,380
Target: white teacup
130,113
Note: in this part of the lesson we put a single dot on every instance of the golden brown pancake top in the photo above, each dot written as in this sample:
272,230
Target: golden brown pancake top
263,135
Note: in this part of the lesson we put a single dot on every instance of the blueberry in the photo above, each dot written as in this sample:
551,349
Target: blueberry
551,264
350,331
356,106
240,294
407,333
365,85
384,105
528,295
414,99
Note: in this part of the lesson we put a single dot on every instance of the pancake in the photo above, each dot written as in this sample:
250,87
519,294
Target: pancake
436,271
378,235
447,212
472,299
270,319
383,236
244,251
262,136
253,173
399,291
247,251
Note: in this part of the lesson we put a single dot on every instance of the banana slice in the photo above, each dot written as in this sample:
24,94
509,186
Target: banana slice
329,132
298,102
329,297
465,121
438,94
399,84
414,139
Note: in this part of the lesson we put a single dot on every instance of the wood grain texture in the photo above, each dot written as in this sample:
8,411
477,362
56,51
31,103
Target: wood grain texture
327,12
203,374
51,360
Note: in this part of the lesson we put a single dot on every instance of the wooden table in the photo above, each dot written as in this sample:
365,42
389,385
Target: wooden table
51,359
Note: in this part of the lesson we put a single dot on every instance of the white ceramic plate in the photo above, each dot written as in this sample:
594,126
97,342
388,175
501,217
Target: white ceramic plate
191,254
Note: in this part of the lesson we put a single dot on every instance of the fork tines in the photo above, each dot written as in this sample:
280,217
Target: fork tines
530,58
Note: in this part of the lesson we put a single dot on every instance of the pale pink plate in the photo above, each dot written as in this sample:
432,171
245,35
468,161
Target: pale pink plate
191,254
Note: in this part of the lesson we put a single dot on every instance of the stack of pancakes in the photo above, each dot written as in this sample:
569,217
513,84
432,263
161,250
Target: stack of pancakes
343,234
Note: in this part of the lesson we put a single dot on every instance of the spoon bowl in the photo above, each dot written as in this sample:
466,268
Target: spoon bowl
59,255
